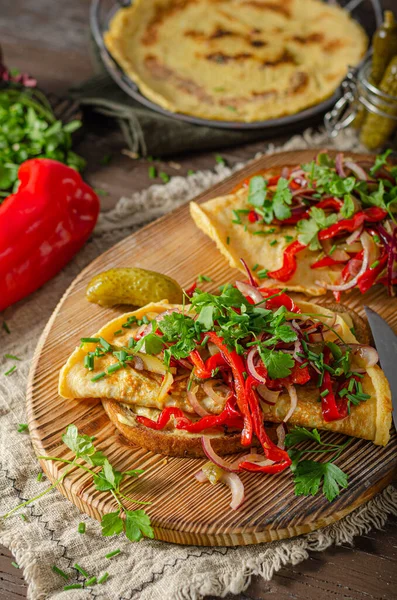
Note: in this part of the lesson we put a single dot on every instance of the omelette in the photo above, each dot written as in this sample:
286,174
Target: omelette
235,60
139,389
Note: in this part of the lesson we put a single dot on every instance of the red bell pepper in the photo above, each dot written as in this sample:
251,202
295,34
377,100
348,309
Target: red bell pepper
281,299
253,217
289,262
332,409
237,366
204,370
333,203
326,261
229,417
42,226
369,277
369,215
272,452
190,290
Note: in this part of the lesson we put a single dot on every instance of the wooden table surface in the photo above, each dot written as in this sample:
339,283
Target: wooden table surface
49,39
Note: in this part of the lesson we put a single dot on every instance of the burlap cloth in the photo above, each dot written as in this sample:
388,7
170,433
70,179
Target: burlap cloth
149,570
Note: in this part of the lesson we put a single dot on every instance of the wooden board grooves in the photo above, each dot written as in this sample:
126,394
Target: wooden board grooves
174,246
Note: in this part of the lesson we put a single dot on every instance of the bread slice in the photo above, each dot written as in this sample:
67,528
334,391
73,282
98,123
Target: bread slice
174,442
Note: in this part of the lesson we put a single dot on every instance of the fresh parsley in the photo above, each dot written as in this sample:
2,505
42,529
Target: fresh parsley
135,523
308,229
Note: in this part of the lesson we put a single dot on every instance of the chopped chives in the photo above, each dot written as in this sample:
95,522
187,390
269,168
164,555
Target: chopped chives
263,274
40,476
131,342
73,586
105,344
91,581
254,268
10,370
190,172
375,264
205,340
228,240
12,357
351,385
376,238
164,177
81,528
219,159
324,393
113,368
273,242
5,327
288,238
89,340
22,427
98,376
333,248
303,365
14,564
114,553
60,572
104,577
23,517
118,332
152,172
237,218
80,570
89,361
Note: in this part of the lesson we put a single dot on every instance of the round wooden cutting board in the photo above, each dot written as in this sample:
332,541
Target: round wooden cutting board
184,511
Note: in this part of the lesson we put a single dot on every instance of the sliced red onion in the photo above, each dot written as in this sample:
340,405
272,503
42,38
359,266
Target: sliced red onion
355,235
339,164
236,486
294,402
249,290
338,254
354,266
285,172
268,396
281,431
367,243
208,387
298,210
212,349
201,476
252,354
138,363
356,169
185,363
391,259
367,354
195,404
251,278
213,456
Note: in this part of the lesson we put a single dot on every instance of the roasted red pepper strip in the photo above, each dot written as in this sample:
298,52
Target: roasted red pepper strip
368,278
369,215
190,290
42,226
281,299
331,409
229,416
204,370
289,262
298,376
326,261
236,363
272,452
334,203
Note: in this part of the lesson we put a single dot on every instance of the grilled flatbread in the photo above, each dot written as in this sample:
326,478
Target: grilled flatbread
235,60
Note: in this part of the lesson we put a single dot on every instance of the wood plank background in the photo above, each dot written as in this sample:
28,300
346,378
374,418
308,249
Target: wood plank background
49,39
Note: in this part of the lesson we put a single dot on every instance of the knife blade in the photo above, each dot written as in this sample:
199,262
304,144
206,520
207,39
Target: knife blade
386,345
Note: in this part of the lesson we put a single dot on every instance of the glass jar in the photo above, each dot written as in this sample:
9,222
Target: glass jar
361,101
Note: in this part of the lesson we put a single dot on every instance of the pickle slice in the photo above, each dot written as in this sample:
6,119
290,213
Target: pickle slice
130,285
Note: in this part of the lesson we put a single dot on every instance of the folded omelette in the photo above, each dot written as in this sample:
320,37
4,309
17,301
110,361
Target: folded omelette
140,386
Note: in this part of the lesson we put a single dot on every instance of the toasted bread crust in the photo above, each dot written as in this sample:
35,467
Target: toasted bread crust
167,442
171,443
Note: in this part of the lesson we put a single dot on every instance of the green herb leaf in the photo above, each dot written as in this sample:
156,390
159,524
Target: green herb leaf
380,161
108,478
137,525
309,475
22,427
257,191
309,228
347,209
301,434
277,363
112,524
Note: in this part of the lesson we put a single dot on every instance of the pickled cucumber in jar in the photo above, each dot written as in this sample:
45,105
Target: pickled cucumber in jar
384,45
378,128
131,285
